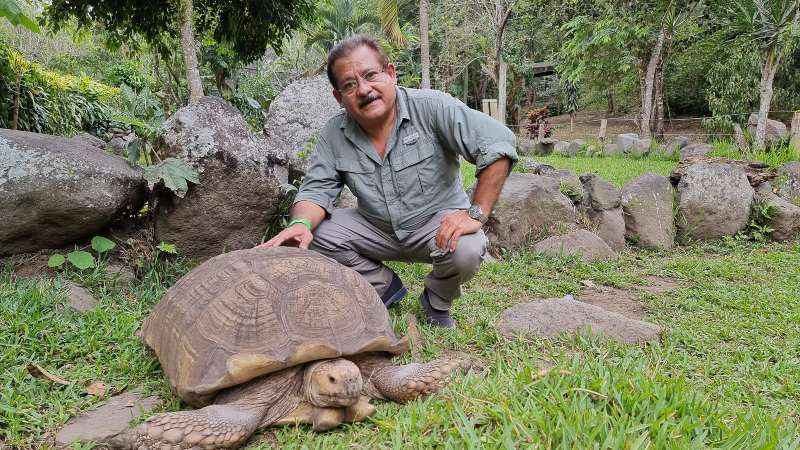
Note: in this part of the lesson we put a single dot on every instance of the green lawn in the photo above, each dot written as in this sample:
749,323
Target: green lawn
725,374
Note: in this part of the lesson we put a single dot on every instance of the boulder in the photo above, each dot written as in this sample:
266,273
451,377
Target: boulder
675,145
633,144
609,225
526,146
569,183
647,210
550,318
757,172
775,131
529,205
696,150
714,200
787,182
55,191
108,420
295,117
600,194
783,216
582,243
530,166
612,150
563,148
90,140
346,199
242,182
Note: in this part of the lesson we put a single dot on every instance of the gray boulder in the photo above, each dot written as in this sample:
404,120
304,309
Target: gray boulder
600,194
552,317
612,150
784,217
633,144
534,167
563,148
696,150
775,131
787,183
526,146
609,225
675,145
582,243
90,140
529,205
714,200
569,183
346,199
55,191
647,210
241,182
107,421
295,117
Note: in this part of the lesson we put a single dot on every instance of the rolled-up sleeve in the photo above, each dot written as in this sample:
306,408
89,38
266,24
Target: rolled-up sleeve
477,137
322,182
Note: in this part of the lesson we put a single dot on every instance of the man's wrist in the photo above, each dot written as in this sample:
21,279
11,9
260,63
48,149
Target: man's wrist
305,222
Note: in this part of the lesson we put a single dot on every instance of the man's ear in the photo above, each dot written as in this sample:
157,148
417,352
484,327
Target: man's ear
392,72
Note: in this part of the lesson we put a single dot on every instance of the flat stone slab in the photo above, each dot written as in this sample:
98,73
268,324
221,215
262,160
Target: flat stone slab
108,420
582,243
80,299
551,317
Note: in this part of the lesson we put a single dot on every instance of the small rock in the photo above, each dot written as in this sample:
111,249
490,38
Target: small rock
526,146
563,148
551,317
108,420
600,193
784,217
612,150
647,207
582,243
122,274
609,225
787,182
536,168
80,299
675,145
775,131
696,150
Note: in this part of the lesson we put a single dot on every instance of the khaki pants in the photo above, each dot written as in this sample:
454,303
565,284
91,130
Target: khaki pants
347,237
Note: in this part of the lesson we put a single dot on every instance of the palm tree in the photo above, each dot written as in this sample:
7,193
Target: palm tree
339,19
424,47
772,25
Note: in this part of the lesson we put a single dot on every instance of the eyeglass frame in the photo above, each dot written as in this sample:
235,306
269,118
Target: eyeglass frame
382,71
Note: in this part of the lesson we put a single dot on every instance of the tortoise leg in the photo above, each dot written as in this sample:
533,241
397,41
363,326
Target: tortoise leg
324,419
401,383
359,411
212,427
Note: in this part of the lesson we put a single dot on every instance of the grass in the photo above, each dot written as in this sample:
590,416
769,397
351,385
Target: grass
725,374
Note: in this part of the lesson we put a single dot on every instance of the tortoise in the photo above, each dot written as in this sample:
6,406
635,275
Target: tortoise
262,337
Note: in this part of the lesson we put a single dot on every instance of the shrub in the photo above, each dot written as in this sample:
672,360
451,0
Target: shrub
538,118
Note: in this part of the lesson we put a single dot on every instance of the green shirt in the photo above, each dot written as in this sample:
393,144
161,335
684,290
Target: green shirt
420,173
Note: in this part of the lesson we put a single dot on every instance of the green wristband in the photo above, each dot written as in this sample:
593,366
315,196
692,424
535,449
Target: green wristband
305,222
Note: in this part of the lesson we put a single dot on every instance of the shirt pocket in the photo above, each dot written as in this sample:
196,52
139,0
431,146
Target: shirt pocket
415,172
359,176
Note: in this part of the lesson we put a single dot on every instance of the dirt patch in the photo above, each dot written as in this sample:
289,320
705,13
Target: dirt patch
29,265
625,302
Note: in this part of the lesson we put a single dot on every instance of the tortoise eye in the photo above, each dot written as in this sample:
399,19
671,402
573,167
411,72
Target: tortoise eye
331,379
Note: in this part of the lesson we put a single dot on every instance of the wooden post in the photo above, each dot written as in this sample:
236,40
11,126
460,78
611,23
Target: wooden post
541,131
796,130
603,126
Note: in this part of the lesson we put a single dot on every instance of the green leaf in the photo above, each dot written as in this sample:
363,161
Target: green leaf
55,261
10,10
81,259
102,245
174,173
167,248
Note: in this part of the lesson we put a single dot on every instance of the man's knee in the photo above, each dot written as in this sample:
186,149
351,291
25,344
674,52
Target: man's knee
469,254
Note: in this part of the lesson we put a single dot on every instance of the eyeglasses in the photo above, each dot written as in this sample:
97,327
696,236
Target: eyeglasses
349,87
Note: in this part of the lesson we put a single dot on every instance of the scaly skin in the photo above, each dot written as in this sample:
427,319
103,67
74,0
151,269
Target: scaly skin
402,383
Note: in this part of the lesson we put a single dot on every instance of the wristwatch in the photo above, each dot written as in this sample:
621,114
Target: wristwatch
475,212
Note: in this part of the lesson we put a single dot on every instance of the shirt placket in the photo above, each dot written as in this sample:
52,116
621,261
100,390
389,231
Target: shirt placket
389,185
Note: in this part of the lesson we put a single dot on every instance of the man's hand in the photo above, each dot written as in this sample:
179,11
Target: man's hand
296,235
452,227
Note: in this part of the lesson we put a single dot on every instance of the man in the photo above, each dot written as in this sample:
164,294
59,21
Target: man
398,151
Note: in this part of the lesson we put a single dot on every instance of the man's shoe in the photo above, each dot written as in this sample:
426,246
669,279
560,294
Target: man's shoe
394,293
433,316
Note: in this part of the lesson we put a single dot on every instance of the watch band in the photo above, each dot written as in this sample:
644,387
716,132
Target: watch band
305,222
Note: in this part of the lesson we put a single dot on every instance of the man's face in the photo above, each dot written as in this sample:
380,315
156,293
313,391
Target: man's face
364,87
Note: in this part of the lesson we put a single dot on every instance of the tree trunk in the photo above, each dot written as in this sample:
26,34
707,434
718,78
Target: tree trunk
658,107
17,93
424,47
767,76
185,22
466,84
648,90
796,131
502,73
610,101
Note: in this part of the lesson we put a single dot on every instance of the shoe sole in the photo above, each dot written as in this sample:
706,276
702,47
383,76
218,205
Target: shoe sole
396,298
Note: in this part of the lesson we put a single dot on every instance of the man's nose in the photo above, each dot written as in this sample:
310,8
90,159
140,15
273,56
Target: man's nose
364,87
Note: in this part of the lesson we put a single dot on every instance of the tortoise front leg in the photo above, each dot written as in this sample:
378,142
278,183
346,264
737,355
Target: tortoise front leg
212,427
401,383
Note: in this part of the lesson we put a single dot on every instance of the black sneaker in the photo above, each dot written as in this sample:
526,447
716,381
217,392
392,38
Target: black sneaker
394,293
433,316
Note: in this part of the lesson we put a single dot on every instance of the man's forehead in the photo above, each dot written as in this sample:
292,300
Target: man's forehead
361,58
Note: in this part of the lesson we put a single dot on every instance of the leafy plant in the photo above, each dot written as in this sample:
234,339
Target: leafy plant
537,118
10,10
174,174
82,259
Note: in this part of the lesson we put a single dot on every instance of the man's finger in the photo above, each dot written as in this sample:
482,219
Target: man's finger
445,231
305,240
454,239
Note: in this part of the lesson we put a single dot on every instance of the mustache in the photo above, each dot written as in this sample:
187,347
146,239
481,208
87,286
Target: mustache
367,100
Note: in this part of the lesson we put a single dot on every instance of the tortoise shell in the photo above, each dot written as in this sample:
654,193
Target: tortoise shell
252,312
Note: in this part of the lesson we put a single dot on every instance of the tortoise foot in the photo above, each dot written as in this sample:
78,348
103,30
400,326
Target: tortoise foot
212,427
324,419
359,411
407,382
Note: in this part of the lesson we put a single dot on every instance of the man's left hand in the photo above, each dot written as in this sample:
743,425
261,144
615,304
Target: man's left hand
452,227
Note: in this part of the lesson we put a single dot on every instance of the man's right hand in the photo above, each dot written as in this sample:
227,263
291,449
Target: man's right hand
297,235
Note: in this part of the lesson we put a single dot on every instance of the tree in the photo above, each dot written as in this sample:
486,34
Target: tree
499,11
339,19
249,27
424,46
771,25
11,10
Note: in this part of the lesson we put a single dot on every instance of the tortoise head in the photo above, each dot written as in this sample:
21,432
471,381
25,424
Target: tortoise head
332,383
